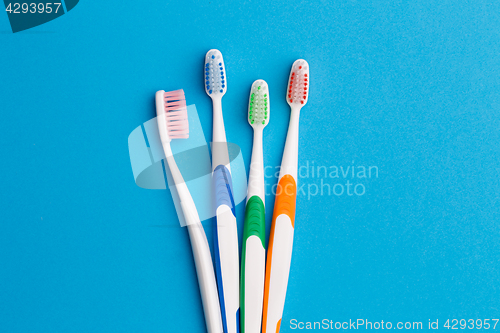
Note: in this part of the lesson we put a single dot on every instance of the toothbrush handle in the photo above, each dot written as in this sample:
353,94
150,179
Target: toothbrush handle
220,154
204,271
226,249
256,184
253,266
201,250
279,254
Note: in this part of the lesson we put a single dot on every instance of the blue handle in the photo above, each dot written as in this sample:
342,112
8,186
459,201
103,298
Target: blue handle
223,191
223,188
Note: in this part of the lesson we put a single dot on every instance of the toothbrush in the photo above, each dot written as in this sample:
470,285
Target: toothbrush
253,256
279,253
225,234
173,124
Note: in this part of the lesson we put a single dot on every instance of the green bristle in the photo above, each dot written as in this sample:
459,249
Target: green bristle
258,104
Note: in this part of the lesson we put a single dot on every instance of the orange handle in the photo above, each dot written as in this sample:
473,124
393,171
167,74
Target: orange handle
286,194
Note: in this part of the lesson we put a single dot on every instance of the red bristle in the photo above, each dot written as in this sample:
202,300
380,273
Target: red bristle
297,80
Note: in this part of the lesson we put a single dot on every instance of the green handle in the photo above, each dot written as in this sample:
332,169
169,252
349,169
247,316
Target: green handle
255,225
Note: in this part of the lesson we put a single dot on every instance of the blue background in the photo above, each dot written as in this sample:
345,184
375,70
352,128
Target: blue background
409,86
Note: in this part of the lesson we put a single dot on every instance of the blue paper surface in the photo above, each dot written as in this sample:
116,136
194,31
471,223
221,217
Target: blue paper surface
409,87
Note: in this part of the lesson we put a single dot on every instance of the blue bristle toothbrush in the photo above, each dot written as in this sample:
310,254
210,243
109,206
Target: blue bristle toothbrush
225,234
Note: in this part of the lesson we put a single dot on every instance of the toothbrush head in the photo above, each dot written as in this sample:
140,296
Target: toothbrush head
258,105
298,83
214,74
171,114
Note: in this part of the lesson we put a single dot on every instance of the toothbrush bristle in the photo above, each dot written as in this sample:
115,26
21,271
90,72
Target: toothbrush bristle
215,73
176,114
298,83
258,105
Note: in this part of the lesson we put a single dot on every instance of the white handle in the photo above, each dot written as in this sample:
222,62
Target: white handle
281,244
291,153
220,155
256,178
201,250
227,236
255,271
204,270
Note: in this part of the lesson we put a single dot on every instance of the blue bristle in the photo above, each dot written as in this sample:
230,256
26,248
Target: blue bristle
214,82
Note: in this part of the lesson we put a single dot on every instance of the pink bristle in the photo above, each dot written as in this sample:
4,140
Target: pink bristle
176,114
